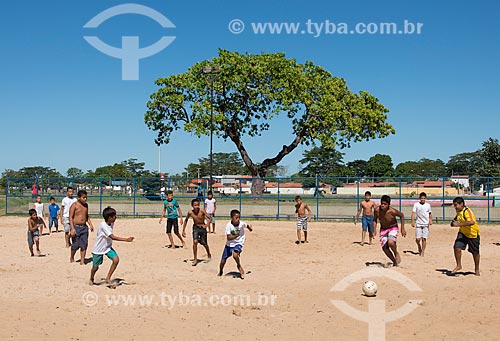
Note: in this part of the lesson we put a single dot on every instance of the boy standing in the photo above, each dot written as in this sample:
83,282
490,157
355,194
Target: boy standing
235,234
173,210
389,228
211,207
199,229
33,232
303,214
421,210
367,207
40,212
65,206
78,218
104,246
53,214
468,234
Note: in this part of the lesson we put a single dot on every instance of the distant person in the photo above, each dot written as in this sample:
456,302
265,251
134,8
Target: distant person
200,193
423,214
368,208
78,219
103,245
199,217
65,206
40,212
389,228
53,214
235,235
211,207
173,210
468,234
303,215
33,232
34,191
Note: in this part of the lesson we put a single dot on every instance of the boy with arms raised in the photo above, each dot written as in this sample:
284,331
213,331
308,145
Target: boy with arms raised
235,234
389,228
199,229
104,246
173,210
78,219
367,207
421,211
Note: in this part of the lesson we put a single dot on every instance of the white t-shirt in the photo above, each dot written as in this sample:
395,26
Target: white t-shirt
210,205
231,229
39,209
422,213
67,202
103,242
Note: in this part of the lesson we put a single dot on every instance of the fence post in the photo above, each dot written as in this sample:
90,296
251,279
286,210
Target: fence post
442,203
317,197
488,200
400,193
100,195
240,189
279,196
6,196
134,196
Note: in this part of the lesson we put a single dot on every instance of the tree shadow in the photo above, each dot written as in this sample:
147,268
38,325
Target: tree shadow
458,273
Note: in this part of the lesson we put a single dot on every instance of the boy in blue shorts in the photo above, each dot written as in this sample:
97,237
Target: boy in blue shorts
104,246
368,208
235,234
53,214
33,232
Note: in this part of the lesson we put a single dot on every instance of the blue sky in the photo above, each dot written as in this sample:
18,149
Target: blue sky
64,104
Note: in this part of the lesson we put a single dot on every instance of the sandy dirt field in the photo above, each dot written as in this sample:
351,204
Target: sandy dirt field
288,293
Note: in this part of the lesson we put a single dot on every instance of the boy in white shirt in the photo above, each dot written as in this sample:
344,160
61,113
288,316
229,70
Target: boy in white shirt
211,207
235,234
422,211
103,246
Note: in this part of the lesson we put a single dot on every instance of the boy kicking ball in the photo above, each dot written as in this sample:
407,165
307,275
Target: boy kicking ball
235,234
104,246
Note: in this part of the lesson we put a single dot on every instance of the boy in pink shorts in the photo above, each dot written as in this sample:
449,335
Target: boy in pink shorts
389,228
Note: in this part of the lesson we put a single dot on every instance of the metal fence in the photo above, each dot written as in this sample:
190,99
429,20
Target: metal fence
333,198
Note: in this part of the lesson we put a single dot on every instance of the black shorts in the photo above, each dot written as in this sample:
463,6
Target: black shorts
200,234
462,241
172,222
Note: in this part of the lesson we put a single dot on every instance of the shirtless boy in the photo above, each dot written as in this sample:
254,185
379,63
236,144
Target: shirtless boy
33,232
367,207
389,228
303,214
79,231
199,215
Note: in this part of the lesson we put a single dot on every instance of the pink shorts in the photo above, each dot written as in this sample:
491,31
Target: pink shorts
387,234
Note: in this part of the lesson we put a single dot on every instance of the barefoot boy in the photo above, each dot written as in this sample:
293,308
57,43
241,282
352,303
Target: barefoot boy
303,214
422,211
235,234
40,212
53,214
211,207
173,210
199,229
33,232
468,234
367,207
78,219
65,206
104,245
389,228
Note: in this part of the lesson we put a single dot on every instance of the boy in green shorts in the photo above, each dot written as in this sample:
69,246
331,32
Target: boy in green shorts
104,246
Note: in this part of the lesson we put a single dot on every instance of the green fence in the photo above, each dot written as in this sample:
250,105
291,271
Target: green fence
332,198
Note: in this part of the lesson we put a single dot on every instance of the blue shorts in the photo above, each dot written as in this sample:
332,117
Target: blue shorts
228,251
98,259
367,223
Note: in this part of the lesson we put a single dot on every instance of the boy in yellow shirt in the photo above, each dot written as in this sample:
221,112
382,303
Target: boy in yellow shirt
468,234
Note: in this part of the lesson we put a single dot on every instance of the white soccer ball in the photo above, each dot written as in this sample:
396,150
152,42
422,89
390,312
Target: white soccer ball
370,288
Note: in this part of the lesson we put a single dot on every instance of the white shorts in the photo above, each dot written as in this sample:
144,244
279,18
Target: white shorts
422,231
67,226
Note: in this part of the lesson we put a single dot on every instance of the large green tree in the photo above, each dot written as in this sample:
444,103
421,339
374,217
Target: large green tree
380,165
423,168
322,162
250,90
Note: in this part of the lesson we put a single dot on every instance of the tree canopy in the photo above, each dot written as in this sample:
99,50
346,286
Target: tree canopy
250,90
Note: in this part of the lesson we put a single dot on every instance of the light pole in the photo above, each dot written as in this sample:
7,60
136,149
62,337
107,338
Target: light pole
211,71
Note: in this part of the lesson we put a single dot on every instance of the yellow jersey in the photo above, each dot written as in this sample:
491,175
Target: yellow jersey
464,215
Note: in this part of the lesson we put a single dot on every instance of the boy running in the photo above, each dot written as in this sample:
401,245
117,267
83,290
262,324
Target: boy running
104,246
33,232
78,219
303,214
422,211
389,228
173,210
235,234
367,207
199,215
468,234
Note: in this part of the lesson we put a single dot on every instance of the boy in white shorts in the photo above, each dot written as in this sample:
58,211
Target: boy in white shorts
422,212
